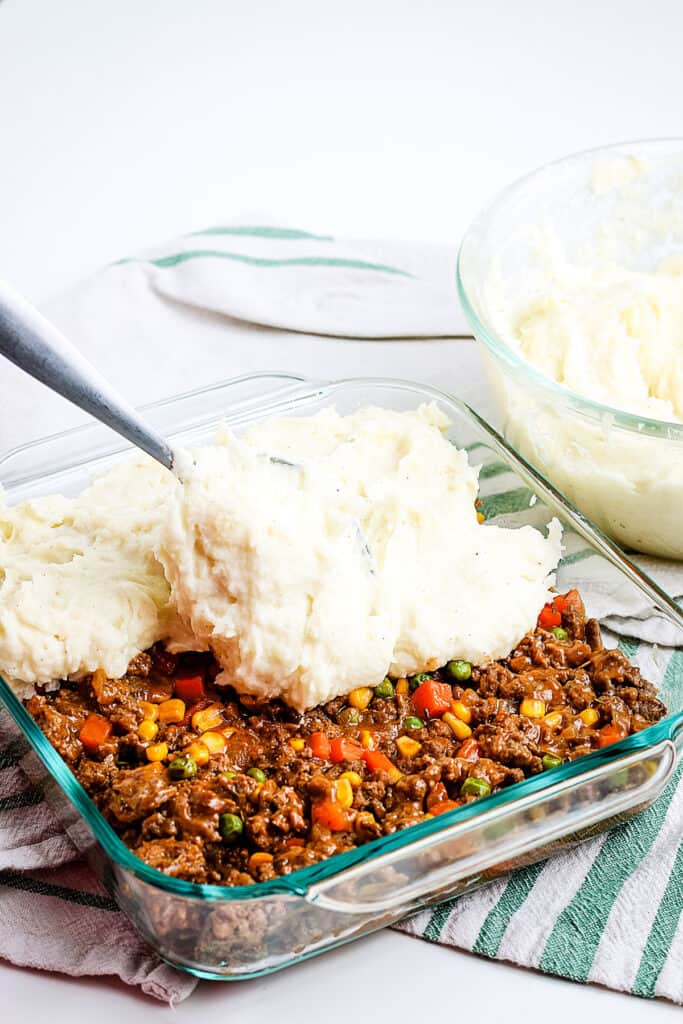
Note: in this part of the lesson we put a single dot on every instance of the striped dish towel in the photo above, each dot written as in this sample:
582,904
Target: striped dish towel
239,298
54,912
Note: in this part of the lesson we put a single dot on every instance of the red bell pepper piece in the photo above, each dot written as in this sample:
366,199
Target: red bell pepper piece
344,749
189,687
432,699
610,734
549,618
330,814
94,731
379,762
320,745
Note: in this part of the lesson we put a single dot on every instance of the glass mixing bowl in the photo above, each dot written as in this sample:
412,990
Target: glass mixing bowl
618,205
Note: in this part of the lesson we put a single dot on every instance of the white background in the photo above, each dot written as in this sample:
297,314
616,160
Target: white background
123,123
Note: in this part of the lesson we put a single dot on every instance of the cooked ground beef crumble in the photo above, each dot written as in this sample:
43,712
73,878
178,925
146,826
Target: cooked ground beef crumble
212,787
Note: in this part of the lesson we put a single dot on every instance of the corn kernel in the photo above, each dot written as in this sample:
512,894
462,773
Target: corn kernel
367,739
172,710
531,708
207,718
553,720
344,793
353,777
157,751
199,752
150,712
480,517
589,717
402,687
407,746
259,858
461,711
214,742
426,817
360,697
297,743
461,730
147,730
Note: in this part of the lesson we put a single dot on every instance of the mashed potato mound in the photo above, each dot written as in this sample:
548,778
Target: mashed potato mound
311,556
80,587
317,555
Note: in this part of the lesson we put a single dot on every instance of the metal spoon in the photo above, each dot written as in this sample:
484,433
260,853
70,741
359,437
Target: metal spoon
36,346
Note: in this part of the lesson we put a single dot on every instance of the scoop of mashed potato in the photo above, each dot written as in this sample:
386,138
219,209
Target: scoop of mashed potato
609,333
80,586
316,555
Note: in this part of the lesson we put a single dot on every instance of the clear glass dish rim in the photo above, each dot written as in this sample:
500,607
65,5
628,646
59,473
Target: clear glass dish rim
642,425
297,884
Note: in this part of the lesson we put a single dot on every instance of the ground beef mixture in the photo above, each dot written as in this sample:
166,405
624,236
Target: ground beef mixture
211,787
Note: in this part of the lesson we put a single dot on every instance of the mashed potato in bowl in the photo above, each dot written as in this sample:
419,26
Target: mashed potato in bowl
312,556
573,281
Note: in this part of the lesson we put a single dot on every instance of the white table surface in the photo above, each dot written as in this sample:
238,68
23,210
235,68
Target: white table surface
126,122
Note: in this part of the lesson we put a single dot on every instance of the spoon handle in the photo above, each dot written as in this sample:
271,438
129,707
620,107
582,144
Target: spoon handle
35,345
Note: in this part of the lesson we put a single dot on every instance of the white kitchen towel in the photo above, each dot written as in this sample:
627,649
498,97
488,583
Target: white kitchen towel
240,298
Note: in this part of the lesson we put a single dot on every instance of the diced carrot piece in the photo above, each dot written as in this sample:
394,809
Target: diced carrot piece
344,749
94,731
330,814
610,734
320,745
444,805
189,687
432,698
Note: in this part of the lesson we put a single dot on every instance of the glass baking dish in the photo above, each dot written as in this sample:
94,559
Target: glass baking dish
231,933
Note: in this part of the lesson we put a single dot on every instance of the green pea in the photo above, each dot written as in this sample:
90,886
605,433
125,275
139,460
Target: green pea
385,689
349,716
417,680
475,787
459,670
182,767
257,774
559,633
230,827
551,761
413,722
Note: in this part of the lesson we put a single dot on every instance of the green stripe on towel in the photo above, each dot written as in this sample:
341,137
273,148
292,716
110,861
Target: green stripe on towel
284,234
662,932
24,883
493,469
28,799
262,261
498,918
506,502
572,944
438,919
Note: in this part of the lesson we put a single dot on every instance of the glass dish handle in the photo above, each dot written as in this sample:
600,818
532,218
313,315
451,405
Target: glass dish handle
455,859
